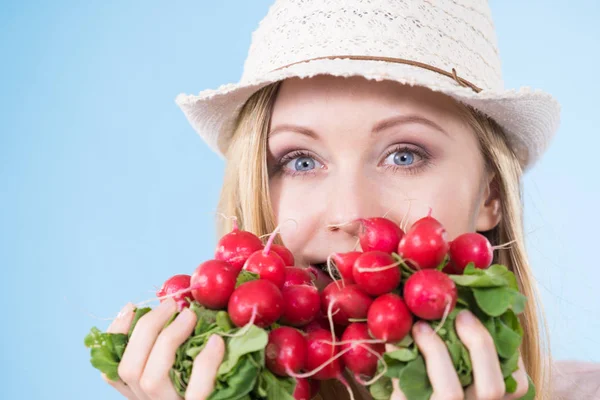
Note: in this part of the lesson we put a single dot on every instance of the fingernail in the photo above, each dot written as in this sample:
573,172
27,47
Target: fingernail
466,317
185,316
423,327
126,310
168,304
212,340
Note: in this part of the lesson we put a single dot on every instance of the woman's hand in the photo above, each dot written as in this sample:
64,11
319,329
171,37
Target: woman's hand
150,354
488,383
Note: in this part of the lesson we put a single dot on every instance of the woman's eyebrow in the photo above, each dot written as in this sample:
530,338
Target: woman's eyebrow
293,128
405,119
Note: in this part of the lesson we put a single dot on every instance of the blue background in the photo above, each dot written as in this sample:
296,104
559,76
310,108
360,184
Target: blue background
106,190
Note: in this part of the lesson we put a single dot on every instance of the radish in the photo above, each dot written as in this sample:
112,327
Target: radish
321,279
389,319
285,351
376,273
174,284
301,304
467,248
358,359
297,276
344,263
212,283
320,322
425,245
259,299
306,389
430,294
236,246
267,264
349,301
320,352
285,254
379,234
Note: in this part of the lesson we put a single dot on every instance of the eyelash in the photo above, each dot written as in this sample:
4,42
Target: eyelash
421,165
289,157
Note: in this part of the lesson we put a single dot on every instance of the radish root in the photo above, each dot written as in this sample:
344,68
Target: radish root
379,375
245,328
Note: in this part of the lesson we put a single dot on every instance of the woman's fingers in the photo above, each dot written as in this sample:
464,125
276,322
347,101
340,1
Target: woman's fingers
155,381
140,344
488,382
121,324
440,369
204,371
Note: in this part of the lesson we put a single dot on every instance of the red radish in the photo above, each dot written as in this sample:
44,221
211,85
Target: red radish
297,276
320,322
285,254
344,263
467,248
379,234
319,352
389,319
349,301
212,283
301,304
306,389
375,272
285,351
321,279
430,293
358,359
425,245
175,284
236,246
268,266
261,297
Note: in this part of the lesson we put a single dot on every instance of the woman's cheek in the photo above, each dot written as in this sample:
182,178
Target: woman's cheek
297,211
412,199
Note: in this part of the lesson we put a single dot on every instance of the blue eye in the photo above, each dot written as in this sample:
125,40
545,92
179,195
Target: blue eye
302,164
402,158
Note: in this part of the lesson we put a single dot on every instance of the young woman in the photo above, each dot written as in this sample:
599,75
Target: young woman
353,109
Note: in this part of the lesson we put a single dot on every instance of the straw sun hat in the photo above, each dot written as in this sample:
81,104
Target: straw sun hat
445,45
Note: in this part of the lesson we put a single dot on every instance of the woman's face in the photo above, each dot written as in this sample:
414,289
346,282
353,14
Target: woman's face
347,148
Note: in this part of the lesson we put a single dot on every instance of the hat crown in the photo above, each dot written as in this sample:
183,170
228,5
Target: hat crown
445,34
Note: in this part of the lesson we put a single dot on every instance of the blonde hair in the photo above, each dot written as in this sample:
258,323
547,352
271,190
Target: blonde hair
245,195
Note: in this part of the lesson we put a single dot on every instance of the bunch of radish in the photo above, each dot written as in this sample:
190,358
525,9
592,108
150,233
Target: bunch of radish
301,336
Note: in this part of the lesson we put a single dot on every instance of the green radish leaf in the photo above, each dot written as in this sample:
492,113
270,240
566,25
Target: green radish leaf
278,388
495,276
405,342
245,276
511,384
510,365
414,382
495,301
139,313
382,389
239,383
506,340
254,339
223,321
106,351
403,355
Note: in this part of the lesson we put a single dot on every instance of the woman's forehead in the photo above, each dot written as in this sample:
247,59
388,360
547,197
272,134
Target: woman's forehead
325,97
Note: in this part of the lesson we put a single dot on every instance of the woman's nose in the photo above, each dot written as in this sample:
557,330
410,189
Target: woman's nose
349,200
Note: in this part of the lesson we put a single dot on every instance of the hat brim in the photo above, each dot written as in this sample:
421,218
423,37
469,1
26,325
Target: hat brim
529,117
